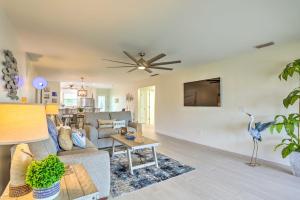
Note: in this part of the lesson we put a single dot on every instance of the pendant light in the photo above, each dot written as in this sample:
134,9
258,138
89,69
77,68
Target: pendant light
82,92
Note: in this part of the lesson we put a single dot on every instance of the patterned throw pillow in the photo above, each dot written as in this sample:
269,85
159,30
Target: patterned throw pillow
53,133
105,123
119,124
79,139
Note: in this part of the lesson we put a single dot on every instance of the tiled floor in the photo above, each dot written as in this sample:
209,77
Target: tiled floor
218,175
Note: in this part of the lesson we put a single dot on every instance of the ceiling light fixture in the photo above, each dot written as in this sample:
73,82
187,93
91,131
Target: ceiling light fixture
141,67
142,64
82,92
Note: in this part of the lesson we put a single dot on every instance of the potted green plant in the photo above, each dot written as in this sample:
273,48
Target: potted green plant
80,109
291,144
44,177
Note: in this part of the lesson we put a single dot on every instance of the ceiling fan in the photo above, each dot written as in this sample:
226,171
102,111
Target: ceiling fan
143,64
73,85
69,86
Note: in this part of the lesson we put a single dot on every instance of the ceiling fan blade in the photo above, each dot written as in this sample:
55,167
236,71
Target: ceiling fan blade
166,63
131,57
148,70
133,69
154,75
119,62
121,66
156,58
163,68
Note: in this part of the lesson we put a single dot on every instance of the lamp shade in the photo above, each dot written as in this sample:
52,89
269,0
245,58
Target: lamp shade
20,123
51,109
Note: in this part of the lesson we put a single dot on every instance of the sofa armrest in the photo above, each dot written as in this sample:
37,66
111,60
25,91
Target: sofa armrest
91,133
97,164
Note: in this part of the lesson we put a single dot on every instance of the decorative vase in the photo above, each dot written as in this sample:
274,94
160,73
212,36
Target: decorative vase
295,163
46,193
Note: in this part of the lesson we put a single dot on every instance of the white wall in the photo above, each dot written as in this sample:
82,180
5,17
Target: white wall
103,92
119,92
8,40
31,73
247,81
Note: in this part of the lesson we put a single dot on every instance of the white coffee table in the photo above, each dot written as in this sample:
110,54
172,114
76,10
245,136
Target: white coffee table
132,145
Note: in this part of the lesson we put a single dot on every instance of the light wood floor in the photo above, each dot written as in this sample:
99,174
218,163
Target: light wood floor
218,175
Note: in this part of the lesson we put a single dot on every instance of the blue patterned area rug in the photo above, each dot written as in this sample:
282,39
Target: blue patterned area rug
123,182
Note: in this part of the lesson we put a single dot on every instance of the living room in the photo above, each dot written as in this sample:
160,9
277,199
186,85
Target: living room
108,67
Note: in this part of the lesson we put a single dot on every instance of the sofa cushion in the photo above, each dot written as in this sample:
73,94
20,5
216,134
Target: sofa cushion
90,147
42,149
76,151
88,144
91,118
121,116
106,132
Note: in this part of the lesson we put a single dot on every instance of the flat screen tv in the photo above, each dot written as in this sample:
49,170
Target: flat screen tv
202,93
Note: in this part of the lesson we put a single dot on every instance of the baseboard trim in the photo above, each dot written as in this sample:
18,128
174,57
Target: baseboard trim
274,165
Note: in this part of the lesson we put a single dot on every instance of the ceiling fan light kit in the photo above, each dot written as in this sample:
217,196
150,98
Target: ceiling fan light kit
143,64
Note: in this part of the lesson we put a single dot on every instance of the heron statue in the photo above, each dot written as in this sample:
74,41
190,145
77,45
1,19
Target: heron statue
255,130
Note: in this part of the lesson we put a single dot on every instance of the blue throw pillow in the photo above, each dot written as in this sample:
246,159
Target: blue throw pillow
79,139
53,133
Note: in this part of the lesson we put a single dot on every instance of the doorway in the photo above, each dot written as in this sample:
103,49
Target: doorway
102,103
146,105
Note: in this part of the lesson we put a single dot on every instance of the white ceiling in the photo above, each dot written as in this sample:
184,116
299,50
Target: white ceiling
71,37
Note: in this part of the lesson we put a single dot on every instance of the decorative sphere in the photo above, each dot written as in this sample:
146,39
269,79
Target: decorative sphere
20,81
39,83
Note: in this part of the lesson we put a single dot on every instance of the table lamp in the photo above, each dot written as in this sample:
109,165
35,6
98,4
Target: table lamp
52,112
52,109
20,123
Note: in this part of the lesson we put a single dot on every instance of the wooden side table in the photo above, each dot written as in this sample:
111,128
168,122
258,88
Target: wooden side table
76,184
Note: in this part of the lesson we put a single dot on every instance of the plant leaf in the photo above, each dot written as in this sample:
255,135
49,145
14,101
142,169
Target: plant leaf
288,150
279,127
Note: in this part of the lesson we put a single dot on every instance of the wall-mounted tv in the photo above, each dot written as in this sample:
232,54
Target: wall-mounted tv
202,93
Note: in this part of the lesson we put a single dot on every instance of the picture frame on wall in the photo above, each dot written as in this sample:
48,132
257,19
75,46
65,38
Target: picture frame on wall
54,100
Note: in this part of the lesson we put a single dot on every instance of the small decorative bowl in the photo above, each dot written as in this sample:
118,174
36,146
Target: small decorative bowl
129,137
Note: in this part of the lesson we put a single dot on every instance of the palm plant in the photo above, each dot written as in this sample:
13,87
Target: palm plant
291,122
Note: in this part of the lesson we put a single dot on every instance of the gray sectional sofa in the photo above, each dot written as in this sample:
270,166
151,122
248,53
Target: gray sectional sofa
101,136
96,162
